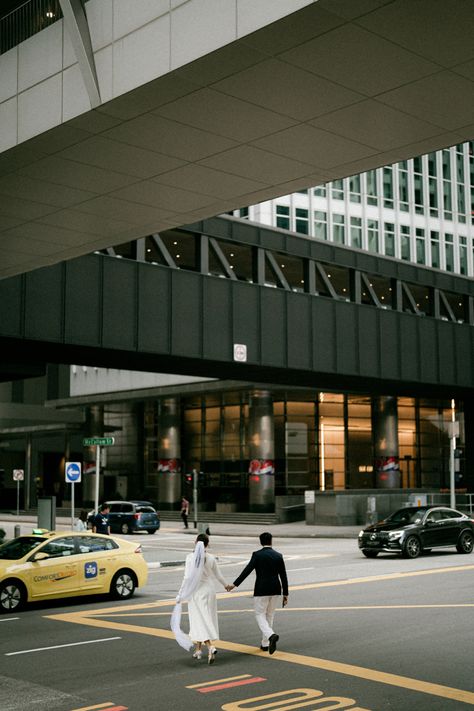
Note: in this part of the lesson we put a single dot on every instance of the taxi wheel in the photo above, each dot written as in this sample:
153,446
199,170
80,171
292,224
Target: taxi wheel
123,585
12,596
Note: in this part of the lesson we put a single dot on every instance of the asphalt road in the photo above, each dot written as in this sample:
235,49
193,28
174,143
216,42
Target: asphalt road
358,634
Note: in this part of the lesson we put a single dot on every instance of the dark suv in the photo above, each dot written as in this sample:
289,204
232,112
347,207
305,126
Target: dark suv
132,516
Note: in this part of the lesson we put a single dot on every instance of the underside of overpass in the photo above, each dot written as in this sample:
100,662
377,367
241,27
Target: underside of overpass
333,89
311,331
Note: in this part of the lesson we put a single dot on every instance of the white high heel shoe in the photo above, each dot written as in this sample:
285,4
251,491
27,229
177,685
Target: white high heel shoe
212,655
197,654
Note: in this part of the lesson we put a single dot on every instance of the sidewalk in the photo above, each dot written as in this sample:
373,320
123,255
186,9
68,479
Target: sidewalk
281,530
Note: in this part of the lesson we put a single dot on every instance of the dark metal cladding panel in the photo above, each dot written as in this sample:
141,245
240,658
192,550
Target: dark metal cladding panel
246,318
463,351
299,246
446,344
390,352
186,314
273,327
428,347
324,335
322,252
11,304
408,345
119,321
299,331
369,341
367,262
271,239
154,289
83,302
347,339
44,317
217,326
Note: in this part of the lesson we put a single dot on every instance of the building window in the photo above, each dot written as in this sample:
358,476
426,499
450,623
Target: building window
356,232
338,228
434,249
463,255
389,236
283,217
433,190
420,246
371,178
301,221
373,235
388,187
320,191
337,189
354,188
447,200
449,252
320,224
403,187
405,242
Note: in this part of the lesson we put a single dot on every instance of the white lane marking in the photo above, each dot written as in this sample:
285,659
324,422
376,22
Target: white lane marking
295,570
10,619
60,646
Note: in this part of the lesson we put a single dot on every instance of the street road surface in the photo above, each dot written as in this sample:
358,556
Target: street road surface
358,634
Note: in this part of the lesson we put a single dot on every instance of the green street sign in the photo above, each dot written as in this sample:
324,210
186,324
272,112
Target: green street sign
97,441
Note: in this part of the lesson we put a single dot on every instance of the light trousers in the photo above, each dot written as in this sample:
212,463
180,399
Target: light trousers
265,606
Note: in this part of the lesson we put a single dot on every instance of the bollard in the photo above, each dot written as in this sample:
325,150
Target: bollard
17,530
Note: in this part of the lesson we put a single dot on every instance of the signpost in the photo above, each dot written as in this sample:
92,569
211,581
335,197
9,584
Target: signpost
73,472
97,442
18,475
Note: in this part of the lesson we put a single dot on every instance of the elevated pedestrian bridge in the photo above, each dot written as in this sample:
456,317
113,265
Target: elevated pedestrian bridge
244,302
117,123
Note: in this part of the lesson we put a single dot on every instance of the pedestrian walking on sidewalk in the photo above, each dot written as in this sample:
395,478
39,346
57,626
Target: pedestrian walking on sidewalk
270,582
185,511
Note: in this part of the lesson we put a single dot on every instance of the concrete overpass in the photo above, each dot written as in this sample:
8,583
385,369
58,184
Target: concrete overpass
131,123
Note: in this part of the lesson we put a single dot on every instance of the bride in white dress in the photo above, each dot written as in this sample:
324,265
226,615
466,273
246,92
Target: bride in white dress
198,587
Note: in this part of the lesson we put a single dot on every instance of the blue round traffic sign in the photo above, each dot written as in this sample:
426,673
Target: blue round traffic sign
73,472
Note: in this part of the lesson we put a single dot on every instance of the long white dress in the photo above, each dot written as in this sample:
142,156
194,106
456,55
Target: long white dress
202,606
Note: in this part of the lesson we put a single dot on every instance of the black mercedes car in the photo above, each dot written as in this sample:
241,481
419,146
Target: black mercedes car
416,529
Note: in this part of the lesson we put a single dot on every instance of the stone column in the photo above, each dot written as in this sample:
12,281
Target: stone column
385,431
261,439
169,453
94,428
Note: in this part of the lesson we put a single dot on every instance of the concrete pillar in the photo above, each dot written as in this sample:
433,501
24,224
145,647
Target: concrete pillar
169,453
385,431
261,439
94,428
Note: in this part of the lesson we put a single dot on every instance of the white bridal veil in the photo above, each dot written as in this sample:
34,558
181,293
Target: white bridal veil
192,578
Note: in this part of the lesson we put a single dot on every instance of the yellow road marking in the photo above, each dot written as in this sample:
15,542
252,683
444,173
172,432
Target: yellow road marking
219,681
91,619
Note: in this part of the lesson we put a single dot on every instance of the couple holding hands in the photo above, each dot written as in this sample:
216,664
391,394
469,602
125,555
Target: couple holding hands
198,589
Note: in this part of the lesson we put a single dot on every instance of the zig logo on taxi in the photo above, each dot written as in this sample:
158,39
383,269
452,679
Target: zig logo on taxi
90,570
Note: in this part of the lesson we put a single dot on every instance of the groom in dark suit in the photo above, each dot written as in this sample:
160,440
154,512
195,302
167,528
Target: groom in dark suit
270,582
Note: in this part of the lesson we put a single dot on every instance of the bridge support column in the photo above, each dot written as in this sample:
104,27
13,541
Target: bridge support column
94,428
262,452
169,453
385,432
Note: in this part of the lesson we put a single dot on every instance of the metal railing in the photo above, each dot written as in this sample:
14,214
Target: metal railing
464,502
26,20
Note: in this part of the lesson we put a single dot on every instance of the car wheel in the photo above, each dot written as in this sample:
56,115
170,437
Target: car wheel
153,530
12,596
412,547
123,585
125,528
370,554
465,542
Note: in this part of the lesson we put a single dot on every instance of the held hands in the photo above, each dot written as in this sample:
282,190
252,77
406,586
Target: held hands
285,601
229,588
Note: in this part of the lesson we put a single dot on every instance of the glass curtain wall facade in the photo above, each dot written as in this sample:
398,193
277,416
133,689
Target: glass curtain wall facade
419,210
323,442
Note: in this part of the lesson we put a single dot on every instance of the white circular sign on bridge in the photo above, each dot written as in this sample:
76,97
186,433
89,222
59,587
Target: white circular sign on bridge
73,472
18,474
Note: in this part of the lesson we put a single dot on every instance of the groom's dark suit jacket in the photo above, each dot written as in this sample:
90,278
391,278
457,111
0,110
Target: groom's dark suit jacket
270,573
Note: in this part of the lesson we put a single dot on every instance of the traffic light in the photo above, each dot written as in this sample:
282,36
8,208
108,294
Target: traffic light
2,478
189,479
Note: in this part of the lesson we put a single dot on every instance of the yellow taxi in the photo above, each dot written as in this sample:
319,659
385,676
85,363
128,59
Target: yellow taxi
51,565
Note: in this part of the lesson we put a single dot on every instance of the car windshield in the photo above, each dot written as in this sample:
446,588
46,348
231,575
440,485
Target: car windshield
405,516
19,547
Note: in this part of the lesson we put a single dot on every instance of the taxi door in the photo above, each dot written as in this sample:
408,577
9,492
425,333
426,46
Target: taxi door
96,559
56,575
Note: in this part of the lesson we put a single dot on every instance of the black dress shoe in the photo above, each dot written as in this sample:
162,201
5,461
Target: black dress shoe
273,639
264,649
